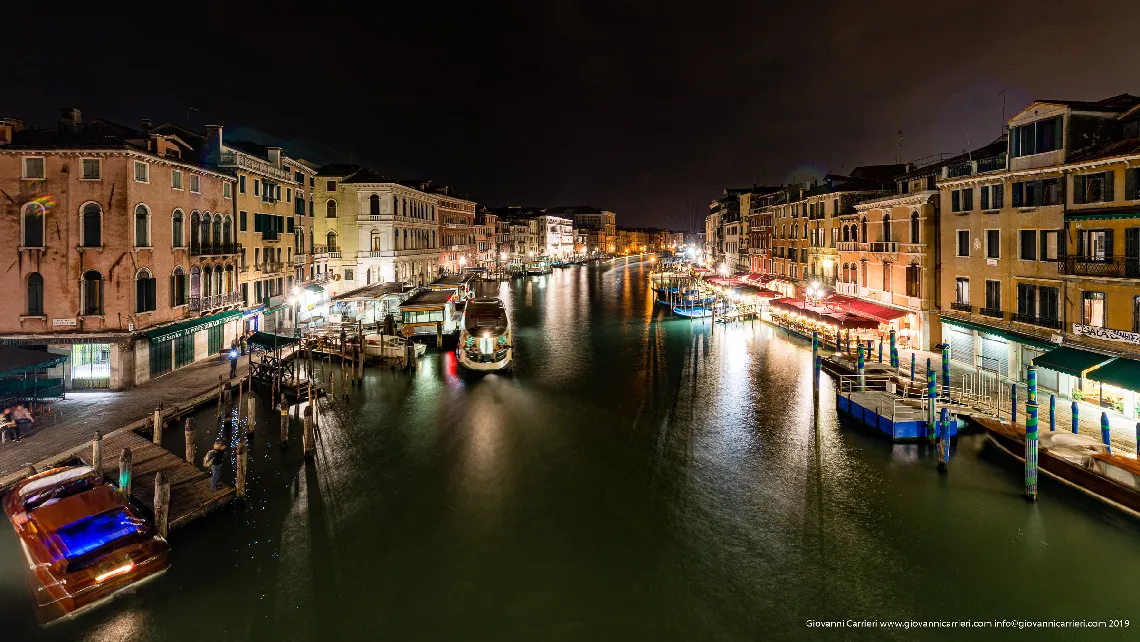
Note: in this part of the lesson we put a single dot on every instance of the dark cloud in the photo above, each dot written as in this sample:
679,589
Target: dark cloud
645,108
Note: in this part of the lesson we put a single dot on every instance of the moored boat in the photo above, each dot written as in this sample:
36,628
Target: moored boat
537,268
485,336
692,311
83,543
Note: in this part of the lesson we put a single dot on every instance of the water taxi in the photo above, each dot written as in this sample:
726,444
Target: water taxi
428,312
485,336
83,543
538,267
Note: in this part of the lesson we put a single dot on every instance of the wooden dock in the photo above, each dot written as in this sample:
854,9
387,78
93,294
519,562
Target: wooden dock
190,492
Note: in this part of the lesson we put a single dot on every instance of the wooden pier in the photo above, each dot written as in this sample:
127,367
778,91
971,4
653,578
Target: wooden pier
190,492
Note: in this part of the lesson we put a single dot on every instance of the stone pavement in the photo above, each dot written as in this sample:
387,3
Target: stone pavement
82,413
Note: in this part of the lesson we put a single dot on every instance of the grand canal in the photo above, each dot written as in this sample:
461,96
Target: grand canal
638,476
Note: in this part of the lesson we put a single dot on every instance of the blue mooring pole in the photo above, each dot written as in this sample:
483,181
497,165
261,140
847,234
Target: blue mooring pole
1013,403
859,367
1105,432
1052,413
894,350
1031,381
928,365
944,447
912,367
946,369
880,349
1031,452
1076,418
931,398
814,345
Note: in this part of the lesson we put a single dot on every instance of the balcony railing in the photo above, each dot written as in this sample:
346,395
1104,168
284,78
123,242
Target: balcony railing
214,301
992,164
373,254
991,312
884,247
1033,319
214,249
981,166
298,259
961,307
334,254
852,246
1113,266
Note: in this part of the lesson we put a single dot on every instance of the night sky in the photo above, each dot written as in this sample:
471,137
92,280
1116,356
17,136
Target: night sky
648,109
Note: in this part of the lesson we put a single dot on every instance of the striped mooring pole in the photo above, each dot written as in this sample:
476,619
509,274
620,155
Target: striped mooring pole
1105,432
894,350
1052,413
912,367
1013,403
880,349
931,398
860,365
1138,436
1076,418
928,365
814,345
1031,452
944,447
946,369
1031,380
838,346
817,368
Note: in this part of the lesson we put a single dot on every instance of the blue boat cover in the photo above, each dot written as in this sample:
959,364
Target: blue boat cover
82,537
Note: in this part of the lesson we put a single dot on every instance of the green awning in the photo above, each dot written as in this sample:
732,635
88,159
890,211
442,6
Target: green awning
1071,361
1024,339
18,361
1102,214
175,330
1122,373
313,287
270,340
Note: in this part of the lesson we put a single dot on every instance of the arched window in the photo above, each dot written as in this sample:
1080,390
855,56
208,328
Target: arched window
178,289
886,277
33,222
863,224
35,295
433,212
330,239
312,240
227,229
300,241
207,281
396,239
433,244
405,201
195,284
330,209
886,228
92,223
914,228
375,240
846,233
177,232
144,291
374,205
142,226
195,232
91,302
863,265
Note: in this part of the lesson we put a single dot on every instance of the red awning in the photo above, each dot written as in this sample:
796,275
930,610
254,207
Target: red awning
880,313
824,314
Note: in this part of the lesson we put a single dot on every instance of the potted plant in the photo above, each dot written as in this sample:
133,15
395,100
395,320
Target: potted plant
1078,394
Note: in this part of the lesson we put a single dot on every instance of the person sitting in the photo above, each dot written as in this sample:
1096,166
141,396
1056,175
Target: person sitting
23,418
9,429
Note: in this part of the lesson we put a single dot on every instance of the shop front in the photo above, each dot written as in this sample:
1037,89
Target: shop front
177,345
1068,366
1114,385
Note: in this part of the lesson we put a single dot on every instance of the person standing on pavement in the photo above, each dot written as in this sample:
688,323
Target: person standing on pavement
214,460
233,357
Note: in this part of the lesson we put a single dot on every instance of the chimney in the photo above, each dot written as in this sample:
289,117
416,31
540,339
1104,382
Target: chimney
69,119
146,125
213,143
274,156
8,129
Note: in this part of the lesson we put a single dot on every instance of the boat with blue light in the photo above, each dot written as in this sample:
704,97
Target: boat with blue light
485,336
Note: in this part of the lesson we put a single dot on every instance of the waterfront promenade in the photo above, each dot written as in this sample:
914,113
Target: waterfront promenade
76,418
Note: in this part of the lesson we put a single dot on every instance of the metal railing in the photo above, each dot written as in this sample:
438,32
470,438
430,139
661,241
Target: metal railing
1033,319
214,249
1112,266
961,306
213,301
852,246
992,164
991,312
884,247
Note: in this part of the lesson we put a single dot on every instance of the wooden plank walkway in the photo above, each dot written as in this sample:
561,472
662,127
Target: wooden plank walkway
190,492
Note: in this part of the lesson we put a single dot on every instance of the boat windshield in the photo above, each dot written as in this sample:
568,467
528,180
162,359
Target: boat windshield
486,316
90,533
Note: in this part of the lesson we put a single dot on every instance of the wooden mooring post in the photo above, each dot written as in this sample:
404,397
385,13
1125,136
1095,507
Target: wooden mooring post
125,474
161,504
250,401
221,387
240,469
158,426
284,423
190,445
944,445
97,453
308,440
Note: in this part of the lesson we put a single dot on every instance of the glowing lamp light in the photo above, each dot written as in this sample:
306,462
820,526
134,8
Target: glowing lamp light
122,570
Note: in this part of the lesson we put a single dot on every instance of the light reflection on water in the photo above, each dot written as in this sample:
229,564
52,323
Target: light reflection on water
637,476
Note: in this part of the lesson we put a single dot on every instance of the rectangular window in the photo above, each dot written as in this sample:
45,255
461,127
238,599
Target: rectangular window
1094,188
1026,300
142,172
1038,137
278,192
1132,183
993,296
956,201
347,274
1136,314
985,196
1050,241
997,196
1050,191
194,183
993,244
968,199
176,179
256,187
92,169
330,186
963,242
241,184
227,190
288,194
34,168
962,290
257,258
1048,303
241,221
1094,310
1027,242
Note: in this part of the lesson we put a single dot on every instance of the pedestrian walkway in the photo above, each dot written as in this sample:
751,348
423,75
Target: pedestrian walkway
75,419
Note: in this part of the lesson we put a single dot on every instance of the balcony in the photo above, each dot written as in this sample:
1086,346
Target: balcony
981,166
214,249
214,301
1111,267
850,289
852,246
961,306
374,254
1032,319
884,247
991,312
298,259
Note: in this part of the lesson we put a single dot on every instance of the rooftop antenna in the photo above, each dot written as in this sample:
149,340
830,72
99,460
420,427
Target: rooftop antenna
969,154
898,159
1001,93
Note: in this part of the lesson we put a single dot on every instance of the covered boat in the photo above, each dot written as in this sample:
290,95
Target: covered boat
83,543
485,336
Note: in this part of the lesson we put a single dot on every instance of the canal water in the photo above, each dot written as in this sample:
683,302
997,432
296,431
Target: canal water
638,476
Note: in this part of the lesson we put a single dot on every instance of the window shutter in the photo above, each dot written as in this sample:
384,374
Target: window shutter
1130,184
1081,240
955,201
1017,194
1109,185
1059,132
173,288
1015,142
1108,243
985,197
1038,193
1078,188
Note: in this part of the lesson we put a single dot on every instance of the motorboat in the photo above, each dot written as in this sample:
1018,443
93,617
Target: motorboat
693,311
381,346
83,542
539,267
485,336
